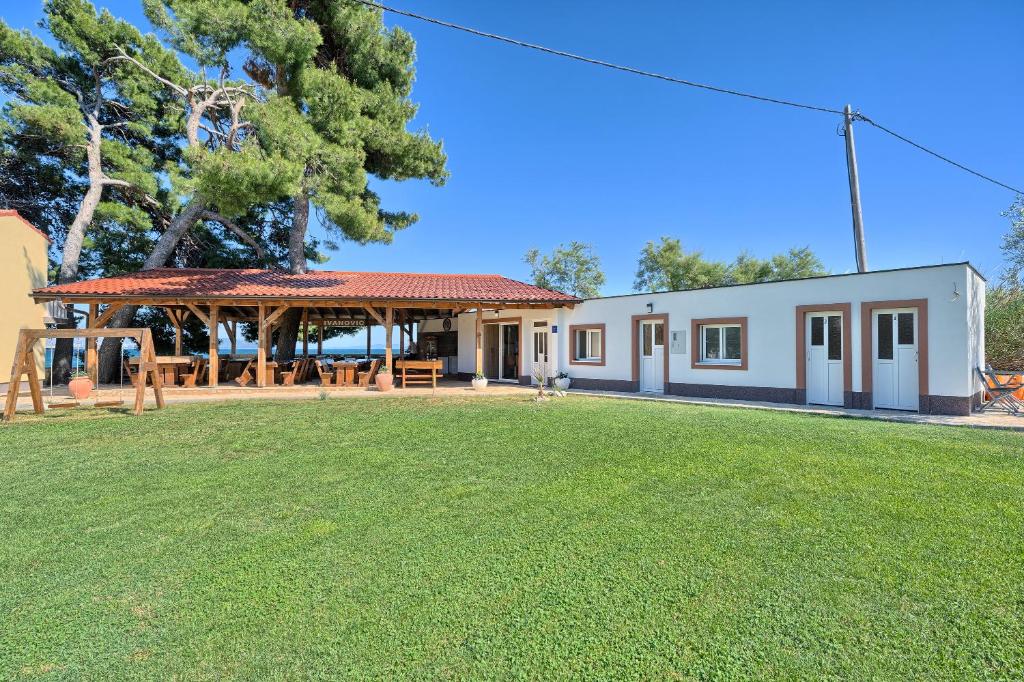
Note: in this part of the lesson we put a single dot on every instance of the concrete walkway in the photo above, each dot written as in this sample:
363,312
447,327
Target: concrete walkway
987,420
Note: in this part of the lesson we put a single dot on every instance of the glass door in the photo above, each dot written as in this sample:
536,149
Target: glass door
510,352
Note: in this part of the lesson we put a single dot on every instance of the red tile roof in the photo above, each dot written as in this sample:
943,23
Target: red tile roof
326,284
10,212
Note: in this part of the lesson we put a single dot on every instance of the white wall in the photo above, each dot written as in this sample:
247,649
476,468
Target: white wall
955,326
467,339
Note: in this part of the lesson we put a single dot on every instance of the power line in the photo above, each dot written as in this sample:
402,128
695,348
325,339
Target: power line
597,62
679,81
861,117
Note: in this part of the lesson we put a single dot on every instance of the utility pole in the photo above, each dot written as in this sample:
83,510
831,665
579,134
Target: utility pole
860,250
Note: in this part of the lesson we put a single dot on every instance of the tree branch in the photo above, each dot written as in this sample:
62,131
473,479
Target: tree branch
242,234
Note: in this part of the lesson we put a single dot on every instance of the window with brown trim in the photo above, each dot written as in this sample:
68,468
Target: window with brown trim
586,344
719,343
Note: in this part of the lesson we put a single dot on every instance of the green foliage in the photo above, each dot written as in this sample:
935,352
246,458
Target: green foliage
1013,243
574,270
1004,327
577,538
666,266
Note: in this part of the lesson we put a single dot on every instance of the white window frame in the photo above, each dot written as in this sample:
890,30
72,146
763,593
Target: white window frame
721,360
590,350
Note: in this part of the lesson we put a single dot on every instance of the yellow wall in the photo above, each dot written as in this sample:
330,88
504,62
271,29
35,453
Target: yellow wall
22,268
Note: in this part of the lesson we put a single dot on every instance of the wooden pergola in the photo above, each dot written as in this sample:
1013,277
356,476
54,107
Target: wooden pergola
218,306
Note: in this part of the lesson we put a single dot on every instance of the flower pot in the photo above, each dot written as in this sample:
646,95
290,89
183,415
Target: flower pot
385,381
479,384
562,384
80,387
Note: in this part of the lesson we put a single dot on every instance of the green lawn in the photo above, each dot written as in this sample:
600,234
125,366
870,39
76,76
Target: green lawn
503,538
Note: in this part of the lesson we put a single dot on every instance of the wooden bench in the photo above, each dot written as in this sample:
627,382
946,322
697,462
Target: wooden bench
423,371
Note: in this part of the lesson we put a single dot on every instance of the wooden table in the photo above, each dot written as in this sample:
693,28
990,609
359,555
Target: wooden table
169,366
418,366
345,373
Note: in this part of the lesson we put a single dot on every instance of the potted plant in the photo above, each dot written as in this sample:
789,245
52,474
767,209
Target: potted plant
479,381
80,385
562,381
385,380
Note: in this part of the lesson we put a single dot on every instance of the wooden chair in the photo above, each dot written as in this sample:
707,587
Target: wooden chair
295,374
246,376
196,375
366,378
326,375
1000,391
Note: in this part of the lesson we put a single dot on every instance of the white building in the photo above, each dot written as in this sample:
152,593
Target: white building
906,339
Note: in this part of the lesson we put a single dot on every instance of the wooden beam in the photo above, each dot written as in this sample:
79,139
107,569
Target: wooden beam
233,336
320,339
261,348
172,314
90,345
276,315
389,318
214,370
375,314
199,313
104,317
368,348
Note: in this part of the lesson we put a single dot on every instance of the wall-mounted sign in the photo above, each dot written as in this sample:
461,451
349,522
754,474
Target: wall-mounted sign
341,323
554,329
447,324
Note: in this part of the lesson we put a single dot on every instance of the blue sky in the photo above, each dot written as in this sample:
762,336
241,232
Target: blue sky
544,150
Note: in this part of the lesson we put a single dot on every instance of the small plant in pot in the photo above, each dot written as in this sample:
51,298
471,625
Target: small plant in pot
385,380
80,385
562,381
479,381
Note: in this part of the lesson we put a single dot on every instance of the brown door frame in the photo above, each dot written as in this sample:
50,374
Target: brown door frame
635,333
510,320
867,345
801,346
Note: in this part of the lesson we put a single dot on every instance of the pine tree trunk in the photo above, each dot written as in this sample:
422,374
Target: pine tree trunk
62,363
110,349
288,332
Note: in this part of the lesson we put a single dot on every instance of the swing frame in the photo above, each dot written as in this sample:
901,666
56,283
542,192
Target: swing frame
25,364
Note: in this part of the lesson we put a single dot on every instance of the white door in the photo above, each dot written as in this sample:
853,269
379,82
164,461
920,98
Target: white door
652,356
540,354
825,358
895,359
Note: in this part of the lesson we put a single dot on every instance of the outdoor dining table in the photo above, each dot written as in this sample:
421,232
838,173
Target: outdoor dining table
345,373
169,366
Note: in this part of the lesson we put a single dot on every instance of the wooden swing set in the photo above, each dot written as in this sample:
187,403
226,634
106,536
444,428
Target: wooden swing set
25,364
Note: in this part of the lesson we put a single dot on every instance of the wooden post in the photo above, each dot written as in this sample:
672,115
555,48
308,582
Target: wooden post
389,320
479,339
214,370
305,332
261,347
401,334
234,337
16,371
368,339
176,321
90,346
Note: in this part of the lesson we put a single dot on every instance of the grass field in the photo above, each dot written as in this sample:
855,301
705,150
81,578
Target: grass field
502,538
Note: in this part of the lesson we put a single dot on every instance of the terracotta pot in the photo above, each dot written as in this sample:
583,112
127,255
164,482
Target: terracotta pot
80,387
385,381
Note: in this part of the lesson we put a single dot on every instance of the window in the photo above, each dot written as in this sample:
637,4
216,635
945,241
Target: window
884,336
835,337
720,343
587,344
